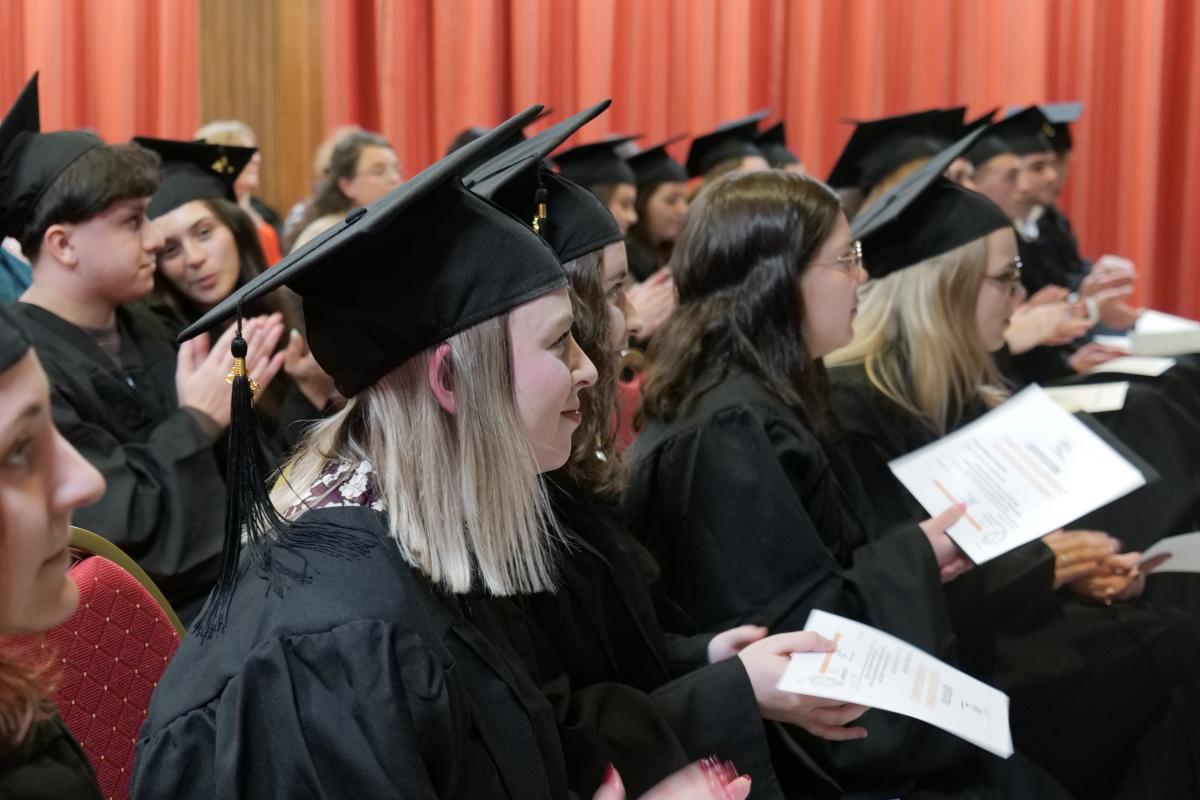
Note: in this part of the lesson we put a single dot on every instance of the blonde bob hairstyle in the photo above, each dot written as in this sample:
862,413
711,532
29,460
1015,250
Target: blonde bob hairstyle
917,337
461,491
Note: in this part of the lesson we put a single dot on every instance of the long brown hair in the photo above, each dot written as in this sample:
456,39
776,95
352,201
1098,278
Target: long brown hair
328,197
737,263
595,462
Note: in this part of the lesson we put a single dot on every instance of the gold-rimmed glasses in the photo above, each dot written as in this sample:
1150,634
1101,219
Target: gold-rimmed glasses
848,264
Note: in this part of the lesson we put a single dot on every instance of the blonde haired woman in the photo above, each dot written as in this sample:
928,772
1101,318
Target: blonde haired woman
945,283
360,650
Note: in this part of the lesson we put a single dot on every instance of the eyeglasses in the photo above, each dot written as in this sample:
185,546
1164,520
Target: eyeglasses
1010,280
380,171
848,264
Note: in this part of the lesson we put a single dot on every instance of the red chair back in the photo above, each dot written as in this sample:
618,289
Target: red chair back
105,663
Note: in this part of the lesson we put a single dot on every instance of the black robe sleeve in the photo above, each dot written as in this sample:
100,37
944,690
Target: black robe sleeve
48,765
363,710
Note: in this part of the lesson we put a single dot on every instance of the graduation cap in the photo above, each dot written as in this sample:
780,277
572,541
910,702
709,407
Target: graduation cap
14,341
30,160
879,147
1020,133
574,222
925,215
732,139
567,215
422,263
773,144
598,163
1060,116
194,171
468,135
654,165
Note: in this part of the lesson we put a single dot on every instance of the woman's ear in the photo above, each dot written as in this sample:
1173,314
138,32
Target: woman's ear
441,377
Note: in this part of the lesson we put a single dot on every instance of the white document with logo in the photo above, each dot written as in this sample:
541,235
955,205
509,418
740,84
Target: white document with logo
1147,366
1184,552
1024,469
1094,398
872,668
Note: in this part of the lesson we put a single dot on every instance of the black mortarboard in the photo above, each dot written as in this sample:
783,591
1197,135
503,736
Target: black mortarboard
878,147
1026,131
31,160
925,215
469,135
425,261
732,139
14,341
194,171
1060,116
597,163
654,165
773,143
575,222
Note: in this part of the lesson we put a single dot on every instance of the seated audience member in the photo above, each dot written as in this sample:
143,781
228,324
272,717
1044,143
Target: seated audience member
946,280
601,620
881,152
266,220
730,147
144,415
733,491
210,250
320,166
44,479
600,169
772,142
369,653
362,168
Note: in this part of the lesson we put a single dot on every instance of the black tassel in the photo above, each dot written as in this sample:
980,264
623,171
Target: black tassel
248,509
250,516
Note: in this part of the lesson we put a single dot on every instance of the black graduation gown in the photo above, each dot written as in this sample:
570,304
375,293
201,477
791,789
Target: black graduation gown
643,261
48,765
362,681
1052,259
165,498
742,508
1114,681
602,624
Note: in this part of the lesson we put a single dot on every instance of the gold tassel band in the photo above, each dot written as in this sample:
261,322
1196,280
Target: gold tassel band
239,371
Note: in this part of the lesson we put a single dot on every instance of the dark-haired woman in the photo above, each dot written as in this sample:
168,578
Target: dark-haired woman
42,480
210,249
733,491
629,681
362,168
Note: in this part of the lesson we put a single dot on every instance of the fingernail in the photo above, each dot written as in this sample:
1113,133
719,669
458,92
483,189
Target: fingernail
612,778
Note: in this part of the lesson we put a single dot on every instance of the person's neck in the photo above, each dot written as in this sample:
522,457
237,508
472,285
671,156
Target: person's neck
68,301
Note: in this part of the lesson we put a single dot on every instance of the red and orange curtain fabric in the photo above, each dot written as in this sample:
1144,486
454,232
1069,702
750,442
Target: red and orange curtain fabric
422,70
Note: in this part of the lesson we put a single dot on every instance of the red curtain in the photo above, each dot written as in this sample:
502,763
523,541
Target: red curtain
121,67
422,70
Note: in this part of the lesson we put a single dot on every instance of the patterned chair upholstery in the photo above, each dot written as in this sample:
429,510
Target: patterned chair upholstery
105,662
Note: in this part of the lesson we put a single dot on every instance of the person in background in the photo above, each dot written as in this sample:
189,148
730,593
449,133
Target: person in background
320,166
144,414
209,251
362,168
730,147
599,168
43,479
266,219
772,142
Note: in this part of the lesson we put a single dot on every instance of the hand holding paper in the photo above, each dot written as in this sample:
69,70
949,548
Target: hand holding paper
875,669
1024,469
